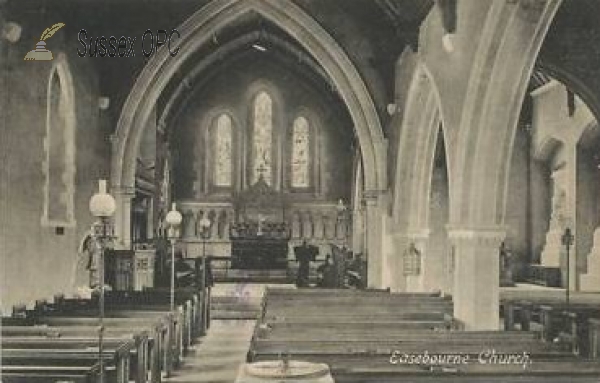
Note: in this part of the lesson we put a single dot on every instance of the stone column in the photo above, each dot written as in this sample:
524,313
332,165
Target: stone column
123,196
476,277
390,276
358,230
374,237
591,280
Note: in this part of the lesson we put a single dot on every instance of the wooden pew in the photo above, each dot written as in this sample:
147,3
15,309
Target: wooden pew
51,373
201,298
133,304
146,300
178,324
570,325
156,355
126,313
594,341
146,359
342,331
138,355
393,334
555,371
167,343
517,312
116,357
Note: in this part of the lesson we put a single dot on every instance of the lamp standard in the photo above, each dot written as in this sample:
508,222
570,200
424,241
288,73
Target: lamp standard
205,234
173,220
102,206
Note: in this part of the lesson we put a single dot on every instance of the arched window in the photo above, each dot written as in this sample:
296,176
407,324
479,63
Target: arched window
59,147
301,153
222,149
262,147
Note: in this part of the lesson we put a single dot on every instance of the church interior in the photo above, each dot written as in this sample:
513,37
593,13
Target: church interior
300,190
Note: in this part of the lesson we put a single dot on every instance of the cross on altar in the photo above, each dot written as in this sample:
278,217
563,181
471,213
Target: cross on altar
262,169
261,219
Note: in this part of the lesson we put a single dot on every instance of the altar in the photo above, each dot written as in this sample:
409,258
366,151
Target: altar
259,236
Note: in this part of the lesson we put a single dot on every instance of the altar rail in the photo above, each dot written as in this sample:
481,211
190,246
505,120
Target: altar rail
318,222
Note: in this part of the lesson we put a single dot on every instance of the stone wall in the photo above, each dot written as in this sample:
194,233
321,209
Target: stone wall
38,258
229,91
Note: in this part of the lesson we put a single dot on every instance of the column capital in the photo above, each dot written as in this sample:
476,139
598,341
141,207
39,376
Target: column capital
412,234
491,236
123,191
372,196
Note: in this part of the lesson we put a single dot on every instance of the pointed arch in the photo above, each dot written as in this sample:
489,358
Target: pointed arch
511,40
195,33
420,126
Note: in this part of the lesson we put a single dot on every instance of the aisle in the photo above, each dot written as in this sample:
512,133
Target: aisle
217,357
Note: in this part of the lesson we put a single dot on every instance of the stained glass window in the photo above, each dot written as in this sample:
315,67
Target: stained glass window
263,138
300,153
223,153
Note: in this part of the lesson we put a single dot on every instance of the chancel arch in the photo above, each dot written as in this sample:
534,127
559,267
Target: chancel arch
195,33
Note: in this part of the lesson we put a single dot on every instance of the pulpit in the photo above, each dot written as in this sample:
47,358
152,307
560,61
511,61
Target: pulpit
143,272
259,236
129,269
119,269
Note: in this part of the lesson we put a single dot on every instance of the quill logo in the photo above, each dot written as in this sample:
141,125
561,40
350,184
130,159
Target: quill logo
40,53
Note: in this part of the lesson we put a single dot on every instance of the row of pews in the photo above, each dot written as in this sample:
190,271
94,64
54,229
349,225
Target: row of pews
142,338
575,326
377,336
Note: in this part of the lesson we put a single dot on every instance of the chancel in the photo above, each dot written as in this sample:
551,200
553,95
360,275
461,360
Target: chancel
300,190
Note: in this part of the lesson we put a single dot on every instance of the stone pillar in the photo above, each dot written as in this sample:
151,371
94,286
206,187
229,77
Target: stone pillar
591,280
358,230
123,196
390,276
374,237
394,264
476,277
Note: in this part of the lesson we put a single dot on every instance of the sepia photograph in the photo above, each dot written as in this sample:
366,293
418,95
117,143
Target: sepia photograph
299,191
